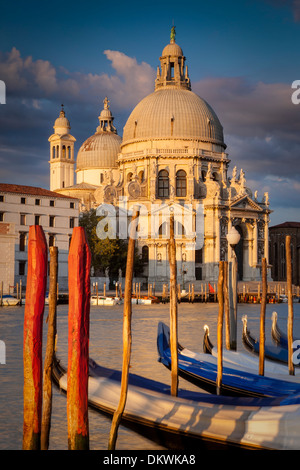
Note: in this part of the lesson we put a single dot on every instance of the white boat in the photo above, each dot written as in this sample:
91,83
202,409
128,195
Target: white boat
194,420
9,300
100,300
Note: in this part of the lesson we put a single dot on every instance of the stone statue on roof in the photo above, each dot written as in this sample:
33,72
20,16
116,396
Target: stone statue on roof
173,33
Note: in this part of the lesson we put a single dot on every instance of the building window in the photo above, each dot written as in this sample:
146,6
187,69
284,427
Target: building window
37,220
72,222
181,183
198,256
1,198
51,220
163,184
51,240
145,254
1,216
22,219
23,200
22,241
22,265
51,203
37,202
72,205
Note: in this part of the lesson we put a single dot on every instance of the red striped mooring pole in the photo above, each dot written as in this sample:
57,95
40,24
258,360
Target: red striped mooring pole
78,348
33,332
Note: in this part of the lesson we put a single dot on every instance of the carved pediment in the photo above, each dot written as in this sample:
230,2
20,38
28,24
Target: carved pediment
245,203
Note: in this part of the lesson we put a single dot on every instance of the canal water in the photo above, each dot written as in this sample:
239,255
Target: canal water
106,349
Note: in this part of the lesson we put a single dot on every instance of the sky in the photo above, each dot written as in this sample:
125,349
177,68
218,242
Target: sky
242,56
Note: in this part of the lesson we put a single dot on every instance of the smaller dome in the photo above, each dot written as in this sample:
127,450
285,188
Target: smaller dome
172,49
101,149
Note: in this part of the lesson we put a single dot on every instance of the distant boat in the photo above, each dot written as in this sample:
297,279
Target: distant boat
9,300
101,300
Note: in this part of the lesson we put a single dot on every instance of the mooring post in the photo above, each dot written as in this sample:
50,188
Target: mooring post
220,326
50,350
173,310
263,317
78,348
127,314
33,335
226,305
290,304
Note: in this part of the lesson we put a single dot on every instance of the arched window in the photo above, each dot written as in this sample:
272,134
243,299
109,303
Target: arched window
57,151
129,177
145,254
181,183
64,151
141,176
53,151
163,184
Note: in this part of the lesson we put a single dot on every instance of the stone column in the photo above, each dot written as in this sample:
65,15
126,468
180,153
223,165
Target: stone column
255,245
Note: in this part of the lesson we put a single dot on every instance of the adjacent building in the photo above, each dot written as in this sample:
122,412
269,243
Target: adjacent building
277,234
23,206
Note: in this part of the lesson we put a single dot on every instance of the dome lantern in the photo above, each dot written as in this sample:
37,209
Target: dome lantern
172,73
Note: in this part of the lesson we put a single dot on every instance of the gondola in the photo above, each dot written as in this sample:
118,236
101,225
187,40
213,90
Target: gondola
203,373
276,353
277,335
193,420
246,361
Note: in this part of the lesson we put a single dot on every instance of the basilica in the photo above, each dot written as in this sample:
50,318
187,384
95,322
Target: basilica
172,156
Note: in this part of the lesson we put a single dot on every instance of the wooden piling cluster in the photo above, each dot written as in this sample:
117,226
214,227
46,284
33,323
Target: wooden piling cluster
37,391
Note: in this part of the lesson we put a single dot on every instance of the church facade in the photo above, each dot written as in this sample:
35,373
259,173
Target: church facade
172,156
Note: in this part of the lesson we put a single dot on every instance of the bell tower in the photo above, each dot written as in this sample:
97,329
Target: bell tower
62,161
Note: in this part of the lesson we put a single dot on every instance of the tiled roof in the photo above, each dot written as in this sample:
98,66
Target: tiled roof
30,190
287,225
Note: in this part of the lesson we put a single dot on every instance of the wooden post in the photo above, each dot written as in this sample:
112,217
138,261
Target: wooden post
127,314
1,294
78,351
193,293
97,293
290,304
33,335
104,289
220,326
226,305
50,349
173,310
20,292
263,317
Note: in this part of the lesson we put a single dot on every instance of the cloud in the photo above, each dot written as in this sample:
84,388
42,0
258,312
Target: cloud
261,124
28,78
261,130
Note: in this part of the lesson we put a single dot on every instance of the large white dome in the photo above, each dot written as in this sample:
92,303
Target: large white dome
173,113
